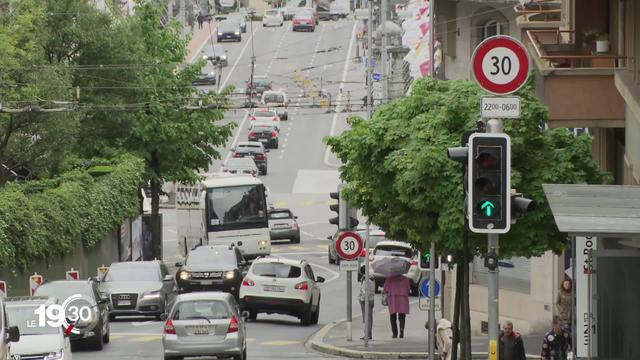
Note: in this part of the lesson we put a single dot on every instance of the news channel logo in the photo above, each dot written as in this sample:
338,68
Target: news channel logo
78,314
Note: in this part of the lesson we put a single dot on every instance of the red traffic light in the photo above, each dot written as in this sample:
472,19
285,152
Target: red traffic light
488,158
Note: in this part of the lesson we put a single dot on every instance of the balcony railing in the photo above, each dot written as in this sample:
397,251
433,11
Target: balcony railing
559,50
540,11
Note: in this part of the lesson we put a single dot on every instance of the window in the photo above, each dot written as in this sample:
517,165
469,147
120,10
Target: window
491,28
132,273
277,270
390,250
205,256
309,271
280,215
201,309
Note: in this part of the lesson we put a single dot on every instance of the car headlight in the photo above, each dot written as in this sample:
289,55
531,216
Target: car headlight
219,34
54,355
212,73
229,275
151,294
237,32
223,57
263,242
184,275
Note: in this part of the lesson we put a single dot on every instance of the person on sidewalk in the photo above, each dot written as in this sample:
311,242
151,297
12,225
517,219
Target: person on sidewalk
511,345
200,21
564,303
556,342
364,284
397,290
443,338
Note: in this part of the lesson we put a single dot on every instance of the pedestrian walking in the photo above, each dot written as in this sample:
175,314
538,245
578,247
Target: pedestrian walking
200,21
564,303
556,342
443,338
397,289
367,285
511,344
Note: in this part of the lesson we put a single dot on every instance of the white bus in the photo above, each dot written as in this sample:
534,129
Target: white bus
224,210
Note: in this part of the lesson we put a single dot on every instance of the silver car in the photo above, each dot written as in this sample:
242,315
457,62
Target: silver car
284,225
204,324
138,288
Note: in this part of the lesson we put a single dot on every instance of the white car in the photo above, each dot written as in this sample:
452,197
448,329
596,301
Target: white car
264,115
276,99
240,166
272,17
281,286
397,248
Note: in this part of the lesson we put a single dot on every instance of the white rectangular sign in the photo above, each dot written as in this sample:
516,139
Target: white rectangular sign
348,265
500,107
583,268
425,302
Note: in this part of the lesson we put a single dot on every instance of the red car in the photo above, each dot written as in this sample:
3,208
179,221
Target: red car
304,21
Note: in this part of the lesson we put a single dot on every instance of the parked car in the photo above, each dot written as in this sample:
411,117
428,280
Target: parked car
206,78
397,248
264,115
259,85
240,20
95,332
265,133
142,288
282,286
284,225
304,21
272,17
375,236
36,340
276,100
9,334
255,150
204,324
229,30
240,165
212,268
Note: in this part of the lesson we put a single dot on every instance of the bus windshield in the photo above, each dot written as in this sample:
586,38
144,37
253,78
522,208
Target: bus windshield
236,207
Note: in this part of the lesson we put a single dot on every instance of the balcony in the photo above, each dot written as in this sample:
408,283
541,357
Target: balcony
539,14
575,82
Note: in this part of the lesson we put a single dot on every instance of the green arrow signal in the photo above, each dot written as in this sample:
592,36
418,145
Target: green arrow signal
487,207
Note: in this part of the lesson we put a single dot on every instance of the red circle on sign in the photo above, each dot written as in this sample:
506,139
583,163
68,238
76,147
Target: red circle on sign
500,41
352,245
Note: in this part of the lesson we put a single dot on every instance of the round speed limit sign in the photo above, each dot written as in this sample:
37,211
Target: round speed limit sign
500,65
349,245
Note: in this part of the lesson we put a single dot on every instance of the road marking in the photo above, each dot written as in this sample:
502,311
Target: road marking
237,60
280,204
307,203
146,338
238,131
307,233
144,323
280,343
335,274
325,246
339,99
296,248
134,334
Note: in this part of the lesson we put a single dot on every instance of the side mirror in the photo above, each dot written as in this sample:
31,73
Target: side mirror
245,315
178,264
267,150
168,278
164,316
295,217
329,237
14,334
319,279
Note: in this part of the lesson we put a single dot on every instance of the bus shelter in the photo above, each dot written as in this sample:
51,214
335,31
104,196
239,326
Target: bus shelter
603,224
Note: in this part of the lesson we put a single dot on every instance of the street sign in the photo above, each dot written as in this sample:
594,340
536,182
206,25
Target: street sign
3,289
500,65
500,107
102,271
349,245
424,303
371,63
35,280
424,288
376,76
73,274
348,266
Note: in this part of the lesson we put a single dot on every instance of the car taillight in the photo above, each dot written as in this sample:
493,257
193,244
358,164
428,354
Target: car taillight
275,118
302,286
237,155
252,133
233,325
274,133
253,117
295,226
414,262
363,253
248,282
260,157
295,21
168,327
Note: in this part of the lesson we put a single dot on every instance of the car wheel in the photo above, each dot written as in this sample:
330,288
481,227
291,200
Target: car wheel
112,317
338,261
242,356
106,338
276,145
217,39
164,308
331,260
414,290
316,314
98,342
296,240
306,317
253,315
240,39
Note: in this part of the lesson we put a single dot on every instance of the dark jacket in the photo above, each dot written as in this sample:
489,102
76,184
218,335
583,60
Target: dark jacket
518,350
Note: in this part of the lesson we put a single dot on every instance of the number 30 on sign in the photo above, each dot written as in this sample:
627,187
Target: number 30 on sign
349,245
500,65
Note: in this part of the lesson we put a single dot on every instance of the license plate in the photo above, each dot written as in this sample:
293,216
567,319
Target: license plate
263,140
274,288
124,303
200,330
281,225
207,282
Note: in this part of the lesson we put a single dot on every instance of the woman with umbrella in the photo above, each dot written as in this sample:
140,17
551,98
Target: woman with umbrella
397,289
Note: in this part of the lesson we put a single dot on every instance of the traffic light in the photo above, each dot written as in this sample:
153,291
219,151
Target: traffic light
425,259
520,205
347,218
489,183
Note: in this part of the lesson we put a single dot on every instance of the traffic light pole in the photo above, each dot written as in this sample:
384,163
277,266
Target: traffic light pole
367,309
432,300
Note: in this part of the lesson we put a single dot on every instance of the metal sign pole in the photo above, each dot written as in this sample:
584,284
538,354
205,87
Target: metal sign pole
367,310
349,306
432,299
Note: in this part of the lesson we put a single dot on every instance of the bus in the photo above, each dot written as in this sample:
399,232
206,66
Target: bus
224,210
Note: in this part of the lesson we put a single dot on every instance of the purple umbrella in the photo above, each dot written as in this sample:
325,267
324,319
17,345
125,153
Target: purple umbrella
388,266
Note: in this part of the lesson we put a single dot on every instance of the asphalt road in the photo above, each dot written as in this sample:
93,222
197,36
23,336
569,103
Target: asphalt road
301,174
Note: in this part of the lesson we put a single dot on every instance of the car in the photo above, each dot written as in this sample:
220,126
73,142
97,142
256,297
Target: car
264,115
276,100
36,340
304,21
259,85
265,133
206,78
229,30
397,248
204,324
272,17
240,165
212,268
375,236
255,150
141,288
219,55
282,286
96,332
283,225
240,20
8,334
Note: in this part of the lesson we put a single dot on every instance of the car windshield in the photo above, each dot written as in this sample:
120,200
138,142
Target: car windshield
236,206
199,309
25,318
228,26
132,273
280,215
237,18
390,250
261,82
218,257
273,98
271,12
276,270
263,128
248,147
62,291
245,162
373,239
264,113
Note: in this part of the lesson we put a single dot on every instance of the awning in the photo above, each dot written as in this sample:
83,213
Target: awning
595,210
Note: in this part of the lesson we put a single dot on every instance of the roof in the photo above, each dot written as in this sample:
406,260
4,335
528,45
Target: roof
394,243
203,295
29,300
230,180
213,247
595,210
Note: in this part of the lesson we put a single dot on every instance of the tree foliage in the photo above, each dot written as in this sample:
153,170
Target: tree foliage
399,174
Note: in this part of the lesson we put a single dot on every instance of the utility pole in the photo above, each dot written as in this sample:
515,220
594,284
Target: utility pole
367,309
383,49
253,62
432,38
432,275
369,61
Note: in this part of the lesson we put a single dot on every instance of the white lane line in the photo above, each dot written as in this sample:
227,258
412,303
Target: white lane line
238,131
159,333
237,60
307,233
335,275
339,99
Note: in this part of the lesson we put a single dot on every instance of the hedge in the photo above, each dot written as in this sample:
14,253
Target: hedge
50,217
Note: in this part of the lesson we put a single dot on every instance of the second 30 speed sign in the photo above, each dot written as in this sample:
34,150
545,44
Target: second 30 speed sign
500,65
349,245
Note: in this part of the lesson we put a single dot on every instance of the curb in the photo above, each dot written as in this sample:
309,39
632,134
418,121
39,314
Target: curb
316,342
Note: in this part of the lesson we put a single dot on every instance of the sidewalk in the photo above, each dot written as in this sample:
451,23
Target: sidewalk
199,39
331,339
